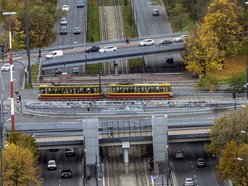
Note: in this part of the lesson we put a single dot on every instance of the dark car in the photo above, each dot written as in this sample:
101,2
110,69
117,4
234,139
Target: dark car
155,12
80,4
63,31
165,42
92,49
70,152
58,71
66,173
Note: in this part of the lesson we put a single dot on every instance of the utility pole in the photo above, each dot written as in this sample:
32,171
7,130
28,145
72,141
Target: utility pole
11,72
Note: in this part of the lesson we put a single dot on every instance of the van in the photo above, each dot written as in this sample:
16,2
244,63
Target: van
54,54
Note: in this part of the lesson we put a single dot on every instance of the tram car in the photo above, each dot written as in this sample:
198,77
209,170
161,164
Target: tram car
108,91
139,91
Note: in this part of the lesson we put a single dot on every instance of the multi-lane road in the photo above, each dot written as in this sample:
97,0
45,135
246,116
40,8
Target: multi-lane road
76,17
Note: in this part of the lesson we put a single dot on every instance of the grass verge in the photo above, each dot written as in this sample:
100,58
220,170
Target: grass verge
34,72
93,31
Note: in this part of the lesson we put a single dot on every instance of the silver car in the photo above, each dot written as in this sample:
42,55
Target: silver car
189,182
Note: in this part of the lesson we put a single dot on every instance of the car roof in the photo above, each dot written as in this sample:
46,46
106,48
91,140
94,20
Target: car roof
51,161
188,179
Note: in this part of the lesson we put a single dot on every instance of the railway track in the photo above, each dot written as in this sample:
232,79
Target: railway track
111,29
115,172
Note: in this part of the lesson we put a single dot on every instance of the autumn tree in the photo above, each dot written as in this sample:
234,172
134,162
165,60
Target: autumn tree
218,35
230,141
234,163
42,17
24,140
202,54
223,19
19,167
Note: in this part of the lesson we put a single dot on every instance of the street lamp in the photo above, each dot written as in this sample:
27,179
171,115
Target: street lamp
11,72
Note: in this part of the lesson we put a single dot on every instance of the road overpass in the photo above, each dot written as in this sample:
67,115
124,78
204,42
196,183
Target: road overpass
135,138
120,54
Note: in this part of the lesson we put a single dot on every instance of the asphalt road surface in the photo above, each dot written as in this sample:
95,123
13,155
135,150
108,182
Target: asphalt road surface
155,25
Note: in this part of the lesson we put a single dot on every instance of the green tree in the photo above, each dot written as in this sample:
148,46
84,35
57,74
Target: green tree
19,167
179,16
228,128
237,82
207,83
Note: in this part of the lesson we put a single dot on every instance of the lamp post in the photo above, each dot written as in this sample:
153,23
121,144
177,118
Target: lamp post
11,71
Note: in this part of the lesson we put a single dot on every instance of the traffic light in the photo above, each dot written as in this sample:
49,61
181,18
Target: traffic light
234,95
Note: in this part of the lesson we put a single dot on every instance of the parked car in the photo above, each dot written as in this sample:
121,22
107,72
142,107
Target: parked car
155,12
201,162
92,49
180,38
80,4
54,54
165,42
63,21
77,30
65,8
70,152
63,30
66,173
179,154
108,49
146,42
189,182
6,67
51,165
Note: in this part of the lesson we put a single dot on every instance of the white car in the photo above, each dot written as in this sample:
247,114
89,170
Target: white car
54,54
65,8
6,67
51,165
63,21
189,182
180,38
147,42
108,49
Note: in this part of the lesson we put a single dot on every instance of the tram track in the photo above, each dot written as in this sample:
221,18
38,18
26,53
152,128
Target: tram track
111,29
